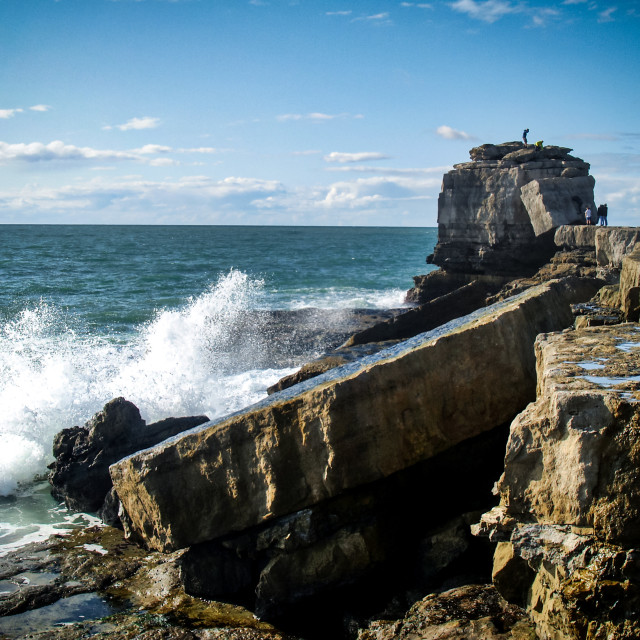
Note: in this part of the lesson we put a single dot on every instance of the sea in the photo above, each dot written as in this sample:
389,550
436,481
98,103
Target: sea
159,315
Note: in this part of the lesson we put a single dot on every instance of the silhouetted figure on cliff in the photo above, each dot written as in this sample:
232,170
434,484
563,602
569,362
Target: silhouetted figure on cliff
602,215
524,137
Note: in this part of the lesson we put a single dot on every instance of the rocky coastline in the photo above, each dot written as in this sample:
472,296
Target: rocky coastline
467,469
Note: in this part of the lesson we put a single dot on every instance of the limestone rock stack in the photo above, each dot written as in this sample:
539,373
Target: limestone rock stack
497,214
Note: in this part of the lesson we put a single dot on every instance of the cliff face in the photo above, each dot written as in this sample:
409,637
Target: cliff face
495,212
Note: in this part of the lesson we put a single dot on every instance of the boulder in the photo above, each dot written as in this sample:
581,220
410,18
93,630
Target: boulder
629,290
348,427
79,475
613,243
551,202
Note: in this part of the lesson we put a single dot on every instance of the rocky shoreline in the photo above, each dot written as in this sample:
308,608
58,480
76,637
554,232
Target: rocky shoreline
356,501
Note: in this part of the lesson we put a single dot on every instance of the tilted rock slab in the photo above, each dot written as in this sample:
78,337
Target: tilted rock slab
495,213
348,427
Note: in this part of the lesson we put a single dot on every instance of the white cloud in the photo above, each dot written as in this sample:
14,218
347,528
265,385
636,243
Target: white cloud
607,15
314,117
59,151
487,11
379,191
339,13
382,18
40,107
234,200
152,148
387,171
363,156
145,122
452,134
541,16
9,113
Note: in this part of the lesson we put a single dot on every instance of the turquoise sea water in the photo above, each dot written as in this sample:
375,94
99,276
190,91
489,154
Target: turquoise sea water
158,315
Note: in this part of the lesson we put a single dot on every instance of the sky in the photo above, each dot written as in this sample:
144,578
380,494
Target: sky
302,112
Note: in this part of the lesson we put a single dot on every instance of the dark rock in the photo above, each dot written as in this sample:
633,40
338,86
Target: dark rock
357,552
79,475
472,612
428,316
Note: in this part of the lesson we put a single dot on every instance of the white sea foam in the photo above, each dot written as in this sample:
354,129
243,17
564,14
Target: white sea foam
200,359
353,299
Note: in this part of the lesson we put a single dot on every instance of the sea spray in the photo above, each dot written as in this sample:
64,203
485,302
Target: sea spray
203,358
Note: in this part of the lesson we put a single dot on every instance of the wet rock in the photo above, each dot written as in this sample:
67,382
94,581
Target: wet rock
427,316
79,476
143,594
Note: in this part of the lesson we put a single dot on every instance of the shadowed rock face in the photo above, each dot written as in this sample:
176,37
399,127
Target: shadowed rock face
496,214
352,426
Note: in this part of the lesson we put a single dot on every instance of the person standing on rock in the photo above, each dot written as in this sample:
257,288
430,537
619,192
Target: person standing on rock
587,214
524,137
602,215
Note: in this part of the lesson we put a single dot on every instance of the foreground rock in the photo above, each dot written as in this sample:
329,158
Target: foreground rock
79,476
569,514
345,429
118,591
473,612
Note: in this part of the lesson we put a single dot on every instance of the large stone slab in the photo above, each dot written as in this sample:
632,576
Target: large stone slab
576,236
551,202
345,428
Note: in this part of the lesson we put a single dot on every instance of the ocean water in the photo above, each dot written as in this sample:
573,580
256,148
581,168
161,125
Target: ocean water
167,317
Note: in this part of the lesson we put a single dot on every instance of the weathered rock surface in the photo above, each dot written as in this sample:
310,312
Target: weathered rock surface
496,213
614,243
79,475
351,555
629,290
472,612
351,426
430,315
569,514
140,594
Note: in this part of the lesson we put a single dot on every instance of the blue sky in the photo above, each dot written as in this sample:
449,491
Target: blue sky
301,111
